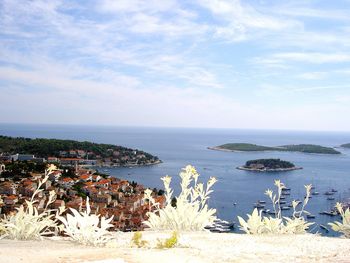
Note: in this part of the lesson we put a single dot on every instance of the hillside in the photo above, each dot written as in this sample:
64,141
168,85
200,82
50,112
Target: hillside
310,148
69,148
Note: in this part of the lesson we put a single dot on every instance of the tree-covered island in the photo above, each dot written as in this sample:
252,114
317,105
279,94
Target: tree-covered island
303,148
71,152
268,165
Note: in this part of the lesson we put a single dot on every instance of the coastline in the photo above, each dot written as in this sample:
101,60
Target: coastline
268,170
126,165
215,148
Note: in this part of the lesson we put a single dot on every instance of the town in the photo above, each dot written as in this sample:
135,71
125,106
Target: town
72,183
69,152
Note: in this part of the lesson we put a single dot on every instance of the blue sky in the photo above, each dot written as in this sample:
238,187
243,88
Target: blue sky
200,63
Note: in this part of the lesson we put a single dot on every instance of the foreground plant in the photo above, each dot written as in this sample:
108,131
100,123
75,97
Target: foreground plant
138,241
191,212
86,228
258,224
170,242
27,223
343,227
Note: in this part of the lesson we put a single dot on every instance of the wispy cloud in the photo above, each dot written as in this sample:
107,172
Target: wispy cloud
171,62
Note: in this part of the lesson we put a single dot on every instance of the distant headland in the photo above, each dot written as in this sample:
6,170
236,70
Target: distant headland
71,152
346,145
303,148
268,165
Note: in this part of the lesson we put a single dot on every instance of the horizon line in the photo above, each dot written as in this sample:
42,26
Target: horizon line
171,127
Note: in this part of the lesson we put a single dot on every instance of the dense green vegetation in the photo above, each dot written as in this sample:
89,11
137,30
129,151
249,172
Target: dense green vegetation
269,164
305,148
346,145
19,170
245,147
310,148
53,147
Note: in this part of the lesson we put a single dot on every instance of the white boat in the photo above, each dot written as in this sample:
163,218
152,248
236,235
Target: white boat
259,206
285,208
324,228
331,213
315,193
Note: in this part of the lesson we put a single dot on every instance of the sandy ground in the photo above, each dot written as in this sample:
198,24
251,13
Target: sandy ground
194,247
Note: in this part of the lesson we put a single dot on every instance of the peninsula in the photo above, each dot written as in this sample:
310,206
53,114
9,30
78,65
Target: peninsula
248,147
268,165
346,145
69,152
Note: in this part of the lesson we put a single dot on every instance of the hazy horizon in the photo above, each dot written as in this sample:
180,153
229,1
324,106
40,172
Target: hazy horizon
170,127
227,64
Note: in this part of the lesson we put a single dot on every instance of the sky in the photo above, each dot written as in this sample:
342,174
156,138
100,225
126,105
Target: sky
196,63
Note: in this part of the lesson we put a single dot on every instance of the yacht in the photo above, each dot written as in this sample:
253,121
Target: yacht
285,208
259,206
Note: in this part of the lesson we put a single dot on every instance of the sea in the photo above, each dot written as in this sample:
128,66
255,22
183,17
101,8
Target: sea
236,190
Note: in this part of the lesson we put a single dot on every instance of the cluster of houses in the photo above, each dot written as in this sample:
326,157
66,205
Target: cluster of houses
109,196
87,158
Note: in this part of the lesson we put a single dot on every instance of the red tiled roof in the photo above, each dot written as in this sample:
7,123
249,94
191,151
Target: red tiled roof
67,179
84,176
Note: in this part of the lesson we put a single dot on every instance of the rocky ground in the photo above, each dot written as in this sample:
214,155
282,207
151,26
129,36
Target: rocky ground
194,247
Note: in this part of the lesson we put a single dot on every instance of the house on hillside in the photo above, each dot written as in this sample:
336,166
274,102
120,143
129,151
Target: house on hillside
8,188
2,168
22,157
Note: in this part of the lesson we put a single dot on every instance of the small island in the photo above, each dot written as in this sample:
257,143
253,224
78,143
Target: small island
268,165
303,148
345,145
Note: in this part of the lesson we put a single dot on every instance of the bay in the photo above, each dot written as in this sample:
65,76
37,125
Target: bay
177,147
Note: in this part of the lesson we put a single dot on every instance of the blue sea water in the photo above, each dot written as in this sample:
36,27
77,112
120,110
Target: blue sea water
178,147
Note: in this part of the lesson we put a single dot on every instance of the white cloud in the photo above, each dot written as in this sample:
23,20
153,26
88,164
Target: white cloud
313,57
241,21
313,75
129,6
172,63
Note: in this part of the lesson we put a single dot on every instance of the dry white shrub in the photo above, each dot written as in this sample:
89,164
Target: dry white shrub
191,212
86,228
27,223
343,227
258,224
